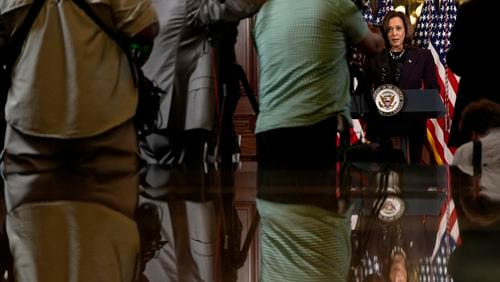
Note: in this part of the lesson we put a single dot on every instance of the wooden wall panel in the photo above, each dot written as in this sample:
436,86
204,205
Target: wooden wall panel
244,117
249,271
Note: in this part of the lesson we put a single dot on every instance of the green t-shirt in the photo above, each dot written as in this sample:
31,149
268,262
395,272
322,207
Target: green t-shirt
301,45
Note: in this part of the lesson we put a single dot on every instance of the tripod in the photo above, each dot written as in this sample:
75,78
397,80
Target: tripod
231,77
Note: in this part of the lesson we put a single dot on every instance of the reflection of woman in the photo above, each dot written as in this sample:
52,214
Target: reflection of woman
393,240
395,250
406,67
398,271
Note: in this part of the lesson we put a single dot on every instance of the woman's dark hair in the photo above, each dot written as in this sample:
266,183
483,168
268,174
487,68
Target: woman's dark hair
480,210
406,22
479,117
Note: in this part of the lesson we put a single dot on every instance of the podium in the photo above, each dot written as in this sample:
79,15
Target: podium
419,105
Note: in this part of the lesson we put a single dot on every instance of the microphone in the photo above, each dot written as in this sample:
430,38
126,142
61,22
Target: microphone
397,75
383,75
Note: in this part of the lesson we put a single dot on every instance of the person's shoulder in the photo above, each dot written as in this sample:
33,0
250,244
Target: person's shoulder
344,10
345,4
419,53
463,154
418,50
9,6
491,142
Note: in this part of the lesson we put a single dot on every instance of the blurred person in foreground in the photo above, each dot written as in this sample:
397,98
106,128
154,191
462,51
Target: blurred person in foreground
304,92
476,192
467,59
183,64
70,159
480,122
304,86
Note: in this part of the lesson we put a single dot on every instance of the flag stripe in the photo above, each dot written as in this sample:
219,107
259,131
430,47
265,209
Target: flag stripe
436,147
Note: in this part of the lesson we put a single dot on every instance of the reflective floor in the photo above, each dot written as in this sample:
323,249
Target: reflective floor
384,223
390,223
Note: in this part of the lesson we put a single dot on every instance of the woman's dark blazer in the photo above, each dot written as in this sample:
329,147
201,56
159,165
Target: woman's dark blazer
418,70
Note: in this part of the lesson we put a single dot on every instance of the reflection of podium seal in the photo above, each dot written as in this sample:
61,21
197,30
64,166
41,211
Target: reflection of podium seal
392,209
389,99
393,206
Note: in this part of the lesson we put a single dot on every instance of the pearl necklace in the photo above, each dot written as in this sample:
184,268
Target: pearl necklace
396,56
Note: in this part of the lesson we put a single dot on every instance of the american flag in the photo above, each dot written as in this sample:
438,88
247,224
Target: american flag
425,24
433,31
383,6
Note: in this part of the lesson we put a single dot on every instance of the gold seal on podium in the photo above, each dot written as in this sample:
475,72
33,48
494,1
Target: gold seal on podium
389,99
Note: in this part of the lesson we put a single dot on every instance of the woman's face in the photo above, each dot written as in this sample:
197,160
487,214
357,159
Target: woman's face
397,272
396,34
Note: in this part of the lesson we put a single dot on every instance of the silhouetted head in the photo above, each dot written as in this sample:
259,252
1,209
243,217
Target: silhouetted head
479,117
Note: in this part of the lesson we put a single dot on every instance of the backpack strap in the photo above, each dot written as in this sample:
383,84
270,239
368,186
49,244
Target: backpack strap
17,40
118,38
476,157
14,47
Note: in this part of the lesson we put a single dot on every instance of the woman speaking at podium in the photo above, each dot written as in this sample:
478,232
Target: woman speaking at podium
406,67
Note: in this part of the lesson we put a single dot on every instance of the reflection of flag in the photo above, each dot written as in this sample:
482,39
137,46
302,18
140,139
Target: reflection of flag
383,6
433,31
448,229
435,268
369,265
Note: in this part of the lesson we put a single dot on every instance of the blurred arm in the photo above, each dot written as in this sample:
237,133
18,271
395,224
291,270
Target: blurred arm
240,9
229,11
373,43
